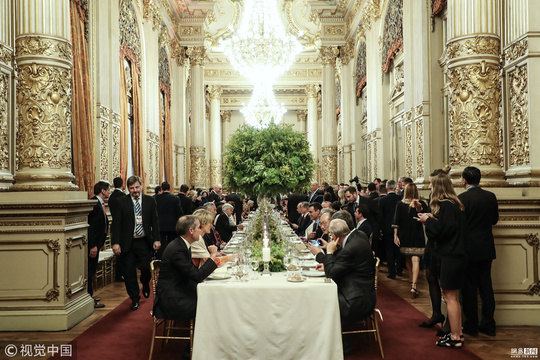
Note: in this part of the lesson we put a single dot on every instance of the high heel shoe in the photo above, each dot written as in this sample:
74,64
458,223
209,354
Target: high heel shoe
433,321
414,292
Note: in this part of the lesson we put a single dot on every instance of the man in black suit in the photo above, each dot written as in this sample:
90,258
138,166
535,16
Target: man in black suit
314,231
136,228
315,195
223,225
374,216
98,224
176,291
388,204
352,268
292,207
237,205
187,207
372,191
169,211
482,212
216,195
303,220
119,188
362,224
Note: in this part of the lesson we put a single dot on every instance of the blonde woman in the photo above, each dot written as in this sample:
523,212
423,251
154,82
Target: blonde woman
341,195
199,252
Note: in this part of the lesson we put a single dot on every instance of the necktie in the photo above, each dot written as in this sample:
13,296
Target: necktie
138,212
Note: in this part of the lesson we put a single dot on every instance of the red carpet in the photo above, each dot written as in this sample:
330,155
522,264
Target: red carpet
125,334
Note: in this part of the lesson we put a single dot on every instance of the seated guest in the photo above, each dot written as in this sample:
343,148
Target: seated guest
352,268
199,250
223,225
314,231
362,224
213,238
345,216
176,291
326,205
303,220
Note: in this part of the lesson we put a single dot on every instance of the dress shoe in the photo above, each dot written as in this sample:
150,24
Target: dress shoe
134,305
146,290
471,332
487,331
433,321
98,305
393,277
96,299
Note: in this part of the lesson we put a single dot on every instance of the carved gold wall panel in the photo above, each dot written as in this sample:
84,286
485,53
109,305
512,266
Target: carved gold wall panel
4,125
215,172
198,166
519,116
129,31
154,158
419,147
115,144
516,50
104,149
329,162
408,150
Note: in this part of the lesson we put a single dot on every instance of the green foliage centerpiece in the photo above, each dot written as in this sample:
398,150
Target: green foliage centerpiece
268,162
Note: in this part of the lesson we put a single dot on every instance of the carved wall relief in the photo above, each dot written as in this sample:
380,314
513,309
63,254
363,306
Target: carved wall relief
361,78
329,159
215,172
115,118
408,150
104,149
392,40
4,135
198,166
519,116
419,147
129,32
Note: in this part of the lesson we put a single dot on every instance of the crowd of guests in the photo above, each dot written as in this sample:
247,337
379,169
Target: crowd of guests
345,226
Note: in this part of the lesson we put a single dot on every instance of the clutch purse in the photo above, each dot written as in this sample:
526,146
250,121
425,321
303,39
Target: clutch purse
412,251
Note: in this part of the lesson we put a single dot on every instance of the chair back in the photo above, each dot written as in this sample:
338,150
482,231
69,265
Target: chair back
154,269
377,262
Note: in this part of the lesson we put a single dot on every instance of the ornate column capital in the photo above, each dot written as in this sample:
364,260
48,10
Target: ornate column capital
178,52
215,91
226,115
312,90
328,55
196,55
301,115
346,53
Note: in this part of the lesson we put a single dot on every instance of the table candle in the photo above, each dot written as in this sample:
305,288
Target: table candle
266,254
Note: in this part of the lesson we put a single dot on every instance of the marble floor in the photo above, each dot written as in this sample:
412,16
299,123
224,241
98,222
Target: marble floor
492,348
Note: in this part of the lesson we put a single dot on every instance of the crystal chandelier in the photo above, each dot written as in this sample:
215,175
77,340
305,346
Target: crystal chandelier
261,50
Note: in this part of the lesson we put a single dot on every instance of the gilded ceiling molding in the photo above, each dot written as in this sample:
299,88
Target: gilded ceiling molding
308,37
328,55
361,75
392,40
196,55
4,134
164,72
519,116
165,4
130,44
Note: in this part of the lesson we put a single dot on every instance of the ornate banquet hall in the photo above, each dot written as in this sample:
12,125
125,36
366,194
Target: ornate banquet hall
97,89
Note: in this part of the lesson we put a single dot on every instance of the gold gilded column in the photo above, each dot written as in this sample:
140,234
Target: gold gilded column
43,98
199,171
328,56
215,92
473,54
7,89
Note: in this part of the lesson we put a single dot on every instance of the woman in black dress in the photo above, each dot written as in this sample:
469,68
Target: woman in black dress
409,233
445,226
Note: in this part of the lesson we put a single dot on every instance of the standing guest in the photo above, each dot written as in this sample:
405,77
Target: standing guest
137,227
169,210
176,290
388,204
362,224
223,226
382,191
372,191
237,206
314,195
185,200
98,224
158,190
377,182
409,233
446,226
216,195
404,182
482,212
374,216
119,188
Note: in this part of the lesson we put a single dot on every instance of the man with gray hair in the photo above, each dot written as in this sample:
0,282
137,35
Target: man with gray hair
352,268
223,225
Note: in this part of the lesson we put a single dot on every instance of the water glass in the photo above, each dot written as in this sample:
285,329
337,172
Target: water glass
254,266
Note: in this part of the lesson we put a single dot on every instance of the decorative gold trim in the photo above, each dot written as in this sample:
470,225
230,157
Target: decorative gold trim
69,244
48,46
519,116
419,145
474,45
4,124
516,50
197,55
328,55
6,54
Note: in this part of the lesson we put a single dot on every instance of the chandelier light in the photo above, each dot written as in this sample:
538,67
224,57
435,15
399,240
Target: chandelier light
263,108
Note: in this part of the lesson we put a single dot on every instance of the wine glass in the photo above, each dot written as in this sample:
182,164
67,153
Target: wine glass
254,263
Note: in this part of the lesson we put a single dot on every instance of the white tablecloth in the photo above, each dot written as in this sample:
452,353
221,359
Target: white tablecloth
269,318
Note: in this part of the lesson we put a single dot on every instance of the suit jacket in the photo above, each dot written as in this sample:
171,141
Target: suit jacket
123,224
186,204
365,227
353,270
176,291
169,210
224,228
113,197
375,215
388,204
315,197
214,197
306,221
482,212
318,231
237,206
292,204
373,196
98,225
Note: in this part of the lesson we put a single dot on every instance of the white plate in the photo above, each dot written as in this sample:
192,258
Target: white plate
219,276
307,257
314,273
291,280
308,263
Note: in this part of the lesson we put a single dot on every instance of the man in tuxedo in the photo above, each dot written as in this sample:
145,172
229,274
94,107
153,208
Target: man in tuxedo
482,212
314,194
374,215
216,194
314,231
372,191
136,228
223,225
362,224
98,224
237,206
303,220
352,268
388,204
119,188
292,207
176,290
169,210
185,200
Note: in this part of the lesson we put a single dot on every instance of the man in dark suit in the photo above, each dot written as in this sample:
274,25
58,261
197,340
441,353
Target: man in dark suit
388,204
352,268
237,206
98,224
136,228
119,188
315,195
176,291
223,225
482,212
216,194
374,216
362,224
169,211
372,190
186,202
304,220
292,207
314,231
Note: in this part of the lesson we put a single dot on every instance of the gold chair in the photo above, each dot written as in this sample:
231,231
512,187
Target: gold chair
168,325
371,325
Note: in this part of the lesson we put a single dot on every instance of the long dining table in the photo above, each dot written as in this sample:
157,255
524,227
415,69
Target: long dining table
268,318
